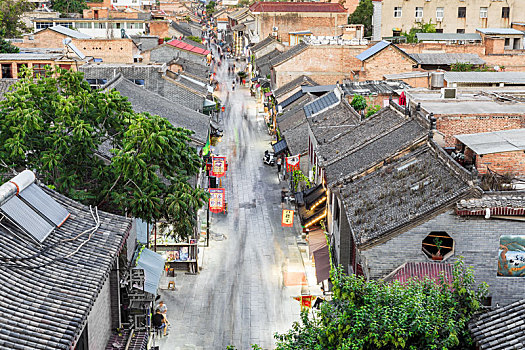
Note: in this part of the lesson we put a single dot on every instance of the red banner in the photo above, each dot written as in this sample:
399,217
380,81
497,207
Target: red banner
287,218
217,199
218,166
292,163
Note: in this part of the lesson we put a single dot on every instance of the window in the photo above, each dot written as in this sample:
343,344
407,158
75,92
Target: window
460,31
83,25
505,12
438,245
7,71
43,25
419,12
462,12
65,66
440,12
140,25
100,25
138,81
96,83
507,41
483,12
65,24
39,69
439,30
116,25
398,12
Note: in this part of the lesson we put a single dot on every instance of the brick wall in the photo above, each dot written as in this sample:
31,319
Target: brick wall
326,64
494,45
458,124
324,24
476,239
166,53
385,62
110,50
99,319
502,163
43,39
159,28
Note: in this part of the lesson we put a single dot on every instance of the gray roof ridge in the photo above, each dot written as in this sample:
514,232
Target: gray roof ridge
365,144
113,81
178,83
285,56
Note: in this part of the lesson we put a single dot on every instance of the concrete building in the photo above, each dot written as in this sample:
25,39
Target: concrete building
12,63
281,19
450,16
108,28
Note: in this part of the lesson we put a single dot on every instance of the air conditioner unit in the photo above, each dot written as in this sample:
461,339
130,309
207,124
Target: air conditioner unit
275,29
439,19
448,93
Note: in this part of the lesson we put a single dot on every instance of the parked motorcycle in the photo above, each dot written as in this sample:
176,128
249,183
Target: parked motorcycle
269,158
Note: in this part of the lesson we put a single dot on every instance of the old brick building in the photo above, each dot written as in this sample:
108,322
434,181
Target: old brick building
279,19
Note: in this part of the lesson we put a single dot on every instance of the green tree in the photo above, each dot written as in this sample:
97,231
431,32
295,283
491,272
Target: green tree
380,315
371,110
421,27
210,8
11,24
195,38
6,47
363,15
58,126
68,6
358,102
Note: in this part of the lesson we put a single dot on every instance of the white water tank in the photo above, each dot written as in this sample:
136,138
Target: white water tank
437,80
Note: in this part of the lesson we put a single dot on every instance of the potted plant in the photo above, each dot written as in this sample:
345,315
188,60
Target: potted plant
438,244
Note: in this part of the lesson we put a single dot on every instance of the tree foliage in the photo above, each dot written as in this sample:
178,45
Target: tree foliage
379,315
68,6
363,15
358,102
6,47
421,27
210,8
194,38
11,24
58,126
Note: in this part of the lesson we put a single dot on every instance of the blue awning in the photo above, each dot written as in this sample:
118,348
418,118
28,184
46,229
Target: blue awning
280,147
153,265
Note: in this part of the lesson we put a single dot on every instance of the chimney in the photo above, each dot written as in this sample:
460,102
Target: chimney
376,20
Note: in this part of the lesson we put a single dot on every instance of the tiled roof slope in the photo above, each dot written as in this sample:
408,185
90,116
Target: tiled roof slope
192,67
143,100
263,62
262,44
411,186
285,56
372,127
420,271
297,82
500,329
294,115
514,200
264,6
367,155
323,102
296,138
45,300
446,58
333,121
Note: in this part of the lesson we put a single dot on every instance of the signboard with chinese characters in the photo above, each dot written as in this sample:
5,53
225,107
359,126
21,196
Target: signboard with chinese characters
287,220
218,166
292,163
306,301
217,199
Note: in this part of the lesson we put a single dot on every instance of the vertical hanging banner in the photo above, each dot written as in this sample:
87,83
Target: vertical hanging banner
287,219
292,163
218,166
217,199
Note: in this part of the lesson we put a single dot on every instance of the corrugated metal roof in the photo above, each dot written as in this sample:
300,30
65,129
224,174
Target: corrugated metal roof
321,103
446,58
318,88
188,47
448,36
421,270
69,32
494,141
29,57
373,50
406,75
485,77
153,265
503,31
263,6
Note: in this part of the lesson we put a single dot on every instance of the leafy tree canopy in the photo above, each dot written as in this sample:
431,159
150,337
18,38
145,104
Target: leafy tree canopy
379,315
194,38
58,126
6,47
68,6
358,102
421,27
210,7
11,24
363,15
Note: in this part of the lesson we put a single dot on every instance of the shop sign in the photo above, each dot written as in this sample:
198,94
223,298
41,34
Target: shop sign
306,300
218,166
217,199
287,219
292,163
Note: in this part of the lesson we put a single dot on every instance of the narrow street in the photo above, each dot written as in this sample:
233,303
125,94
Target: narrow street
253,267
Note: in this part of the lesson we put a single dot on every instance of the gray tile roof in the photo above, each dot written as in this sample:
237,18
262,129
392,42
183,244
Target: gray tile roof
333,121
294,114
297,82
69,32
292,99
486,77
192,67
505,199
413,185
366,155
381,123
285,56
262,44
143,100
263,62
30,56
184,30
295,138
45,300
327,100
369,87
448,36
446,58
5,86
500,328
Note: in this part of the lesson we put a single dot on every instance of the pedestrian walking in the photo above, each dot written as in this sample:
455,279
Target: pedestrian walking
163,310
279,164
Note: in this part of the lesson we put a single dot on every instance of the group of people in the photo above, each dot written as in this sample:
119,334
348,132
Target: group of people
159,319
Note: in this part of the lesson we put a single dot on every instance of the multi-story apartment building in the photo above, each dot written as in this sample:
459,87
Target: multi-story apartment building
108,28
391,17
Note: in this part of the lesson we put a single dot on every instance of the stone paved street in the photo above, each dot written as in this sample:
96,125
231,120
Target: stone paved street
239,298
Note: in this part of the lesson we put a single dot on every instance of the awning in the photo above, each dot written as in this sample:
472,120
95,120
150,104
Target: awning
322,264
279,147
142,231
316,240
153,265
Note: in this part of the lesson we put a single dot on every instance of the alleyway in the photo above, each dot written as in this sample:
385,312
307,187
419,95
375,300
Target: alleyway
239,298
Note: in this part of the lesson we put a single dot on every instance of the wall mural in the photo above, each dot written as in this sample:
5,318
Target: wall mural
511,261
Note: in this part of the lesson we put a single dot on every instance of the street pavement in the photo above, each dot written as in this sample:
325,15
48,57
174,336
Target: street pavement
253,266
